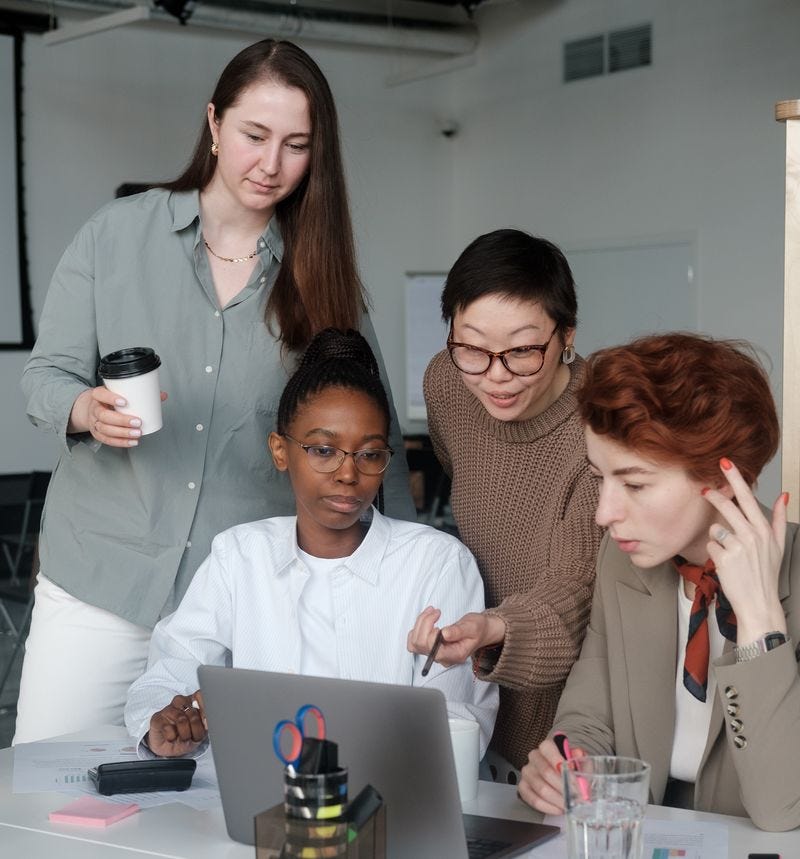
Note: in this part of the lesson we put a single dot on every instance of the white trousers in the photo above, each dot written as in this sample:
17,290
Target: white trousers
79,662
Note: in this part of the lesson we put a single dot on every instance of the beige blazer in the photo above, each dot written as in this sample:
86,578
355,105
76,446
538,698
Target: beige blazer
620,695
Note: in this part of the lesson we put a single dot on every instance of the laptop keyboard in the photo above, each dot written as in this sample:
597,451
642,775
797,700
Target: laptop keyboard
481,848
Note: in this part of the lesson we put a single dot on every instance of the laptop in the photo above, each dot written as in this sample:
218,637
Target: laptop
395,738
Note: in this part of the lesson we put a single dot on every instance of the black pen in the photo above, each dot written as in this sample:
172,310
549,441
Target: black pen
432,655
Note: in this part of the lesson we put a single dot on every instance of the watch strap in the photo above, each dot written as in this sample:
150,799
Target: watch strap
750,651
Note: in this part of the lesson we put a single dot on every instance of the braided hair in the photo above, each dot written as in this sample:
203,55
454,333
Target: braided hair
334,359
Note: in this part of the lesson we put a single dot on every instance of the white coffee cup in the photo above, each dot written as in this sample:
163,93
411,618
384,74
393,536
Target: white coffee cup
133,374
465,735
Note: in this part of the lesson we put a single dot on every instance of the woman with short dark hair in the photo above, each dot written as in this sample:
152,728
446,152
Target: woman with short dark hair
688,661
502,416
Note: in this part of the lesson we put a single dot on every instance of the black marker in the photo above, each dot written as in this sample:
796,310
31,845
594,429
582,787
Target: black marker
562,744
362,808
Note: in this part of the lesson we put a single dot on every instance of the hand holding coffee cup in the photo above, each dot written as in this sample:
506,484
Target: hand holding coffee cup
113,418
102,421
131,376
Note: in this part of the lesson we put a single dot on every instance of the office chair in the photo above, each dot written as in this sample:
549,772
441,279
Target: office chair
436,482
16,545
19,633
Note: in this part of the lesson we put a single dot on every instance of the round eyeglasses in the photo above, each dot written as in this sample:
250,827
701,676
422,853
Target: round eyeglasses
521,360
326,458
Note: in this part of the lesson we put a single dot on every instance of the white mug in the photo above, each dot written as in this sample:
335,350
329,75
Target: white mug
465,735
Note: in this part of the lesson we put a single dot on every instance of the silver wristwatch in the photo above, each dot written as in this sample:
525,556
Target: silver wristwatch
746,652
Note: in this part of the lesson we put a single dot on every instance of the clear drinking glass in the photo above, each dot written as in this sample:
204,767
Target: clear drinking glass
605,800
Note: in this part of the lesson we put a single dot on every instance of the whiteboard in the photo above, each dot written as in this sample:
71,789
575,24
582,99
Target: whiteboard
626,291
10,287
426,334
623,291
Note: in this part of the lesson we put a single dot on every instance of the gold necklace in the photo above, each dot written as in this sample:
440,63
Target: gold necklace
229,259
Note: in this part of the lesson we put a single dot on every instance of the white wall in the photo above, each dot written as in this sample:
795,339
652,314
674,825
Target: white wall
688,146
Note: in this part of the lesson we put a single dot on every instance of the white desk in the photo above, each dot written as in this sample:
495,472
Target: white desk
495,800
179,832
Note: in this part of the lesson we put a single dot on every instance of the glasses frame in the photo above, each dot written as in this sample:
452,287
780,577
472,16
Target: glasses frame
452,344
343,454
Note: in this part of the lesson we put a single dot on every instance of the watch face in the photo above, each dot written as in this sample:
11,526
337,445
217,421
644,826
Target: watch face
773,640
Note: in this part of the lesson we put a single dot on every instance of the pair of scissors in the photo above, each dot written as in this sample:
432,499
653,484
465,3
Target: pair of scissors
297,733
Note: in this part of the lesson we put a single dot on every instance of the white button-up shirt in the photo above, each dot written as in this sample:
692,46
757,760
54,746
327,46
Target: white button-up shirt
241,609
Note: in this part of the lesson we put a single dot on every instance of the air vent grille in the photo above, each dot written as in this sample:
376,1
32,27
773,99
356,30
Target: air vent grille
629,49
608,52
584,58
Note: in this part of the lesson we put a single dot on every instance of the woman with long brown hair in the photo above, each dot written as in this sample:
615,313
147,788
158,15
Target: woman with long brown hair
226,272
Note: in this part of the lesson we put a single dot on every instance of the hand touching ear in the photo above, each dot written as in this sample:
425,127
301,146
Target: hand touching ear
747,552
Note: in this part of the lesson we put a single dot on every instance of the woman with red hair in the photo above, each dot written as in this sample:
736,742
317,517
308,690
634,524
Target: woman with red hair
688,661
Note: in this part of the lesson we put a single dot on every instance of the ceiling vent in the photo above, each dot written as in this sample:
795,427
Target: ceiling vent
608,52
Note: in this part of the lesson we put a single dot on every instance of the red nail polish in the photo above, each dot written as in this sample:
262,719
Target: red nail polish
726,464
705,490
785,497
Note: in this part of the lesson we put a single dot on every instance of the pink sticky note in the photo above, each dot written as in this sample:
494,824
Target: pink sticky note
90,811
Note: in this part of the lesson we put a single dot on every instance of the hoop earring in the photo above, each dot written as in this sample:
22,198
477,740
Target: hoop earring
215,148
568,354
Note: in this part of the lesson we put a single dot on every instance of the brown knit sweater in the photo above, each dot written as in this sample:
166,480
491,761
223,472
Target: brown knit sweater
524,502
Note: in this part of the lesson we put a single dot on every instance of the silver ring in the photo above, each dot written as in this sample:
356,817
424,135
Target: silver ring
722,536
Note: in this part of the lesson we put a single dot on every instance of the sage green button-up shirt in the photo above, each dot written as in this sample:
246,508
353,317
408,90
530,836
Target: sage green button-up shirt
125,529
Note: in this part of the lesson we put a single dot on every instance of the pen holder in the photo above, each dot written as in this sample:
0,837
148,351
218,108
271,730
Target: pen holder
315,796
370,842
313,839
280,834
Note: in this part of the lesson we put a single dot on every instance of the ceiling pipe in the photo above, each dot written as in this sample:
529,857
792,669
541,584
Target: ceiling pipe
455,41
96,25
430,70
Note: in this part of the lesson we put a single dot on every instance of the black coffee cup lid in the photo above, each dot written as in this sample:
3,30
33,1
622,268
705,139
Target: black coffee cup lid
129,362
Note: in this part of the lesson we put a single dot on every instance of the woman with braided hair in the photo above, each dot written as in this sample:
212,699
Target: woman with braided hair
330,591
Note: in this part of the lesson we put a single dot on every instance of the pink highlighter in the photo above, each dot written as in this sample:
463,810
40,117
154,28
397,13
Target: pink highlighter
564,749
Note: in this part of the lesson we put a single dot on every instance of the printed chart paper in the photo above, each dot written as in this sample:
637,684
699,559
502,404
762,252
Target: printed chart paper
44,767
